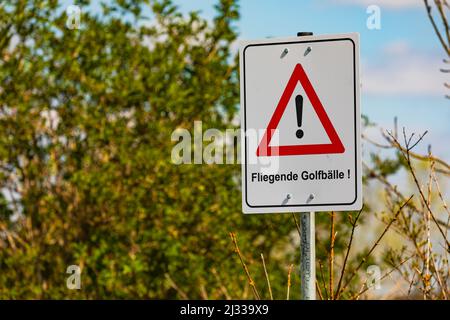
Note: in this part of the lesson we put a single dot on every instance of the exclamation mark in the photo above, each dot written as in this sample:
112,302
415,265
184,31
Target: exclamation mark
299,109
348,171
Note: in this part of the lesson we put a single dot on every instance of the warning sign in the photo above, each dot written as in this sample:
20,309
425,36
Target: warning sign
300,112
335,146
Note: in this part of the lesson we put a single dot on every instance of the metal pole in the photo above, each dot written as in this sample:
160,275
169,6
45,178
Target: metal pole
308,244
308,256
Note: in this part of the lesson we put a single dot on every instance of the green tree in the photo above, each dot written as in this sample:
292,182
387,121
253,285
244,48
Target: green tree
86,117
86,175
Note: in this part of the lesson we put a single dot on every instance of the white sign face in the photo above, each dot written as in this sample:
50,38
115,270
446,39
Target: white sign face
300,111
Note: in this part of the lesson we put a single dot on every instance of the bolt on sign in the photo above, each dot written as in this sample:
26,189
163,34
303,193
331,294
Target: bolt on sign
300,111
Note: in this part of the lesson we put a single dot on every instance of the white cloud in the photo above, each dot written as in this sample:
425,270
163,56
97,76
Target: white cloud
391,4
397,48
402,70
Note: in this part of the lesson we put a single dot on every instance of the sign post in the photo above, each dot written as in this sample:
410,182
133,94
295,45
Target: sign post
308,255
307,245
300,115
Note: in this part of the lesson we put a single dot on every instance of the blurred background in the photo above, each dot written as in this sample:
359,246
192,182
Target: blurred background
92,205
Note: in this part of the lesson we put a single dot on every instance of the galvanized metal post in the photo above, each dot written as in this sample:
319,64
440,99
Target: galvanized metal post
308,240
308,256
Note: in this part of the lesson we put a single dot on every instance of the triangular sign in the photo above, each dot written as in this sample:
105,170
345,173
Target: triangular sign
335,146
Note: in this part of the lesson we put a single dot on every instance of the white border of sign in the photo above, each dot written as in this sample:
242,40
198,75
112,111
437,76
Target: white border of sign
357,203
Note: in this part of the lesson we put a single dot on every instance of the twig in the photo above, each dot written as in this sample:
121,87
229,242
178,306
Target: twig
394,190
411,284
297,225
442,199
439,280
318,290
249,277
360,292
435,27
376,244
203,292
267,276
323,280
289,281
221,286
245,293
390,271
349,246
417,156
331,256
413,173
428,226
177,289
439,5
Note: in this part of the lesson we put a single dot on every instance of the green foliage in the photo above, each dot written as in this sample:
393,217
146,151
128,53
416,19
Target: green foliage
86,177
386,167
85,126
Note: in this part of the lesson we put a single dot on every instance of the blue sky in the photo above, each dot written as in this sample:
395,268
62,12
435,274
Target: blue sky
400,62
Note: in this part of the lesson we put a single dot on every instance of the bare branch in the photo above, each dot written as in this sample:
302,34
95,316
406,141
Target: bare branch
177,289
417,156
267,277
349,246
385,275
375,244
297,224
435,27
318,290
249,277
323,279
407,157
289,281
331,256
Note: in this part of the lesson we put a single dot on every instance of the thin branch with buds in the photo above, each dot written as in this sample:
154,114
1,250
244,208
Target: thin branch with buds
244,266
331,256
355,271
349,246
289,281
408,146
267,276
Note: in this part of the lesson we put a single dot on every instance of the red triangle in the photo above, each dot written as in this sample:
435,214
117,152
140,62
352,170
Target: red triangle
335,146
